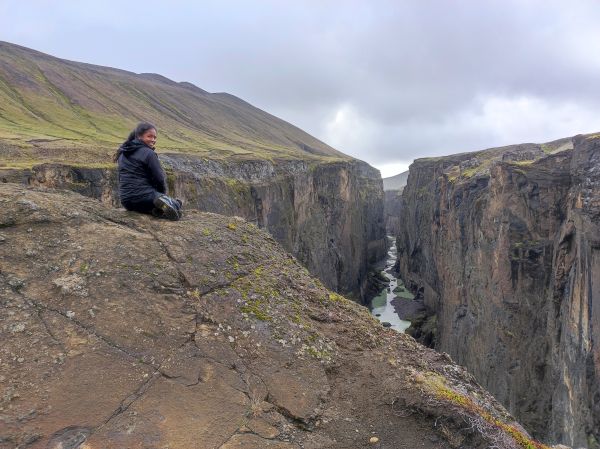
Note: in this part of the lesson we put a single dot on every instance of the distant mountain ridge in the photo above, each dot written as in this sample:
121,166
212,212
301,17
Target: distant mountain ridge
396,182
53,109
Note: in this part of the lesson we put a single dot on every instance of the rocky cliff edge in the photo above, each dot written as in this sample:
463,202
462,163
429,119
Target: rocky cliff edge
122,331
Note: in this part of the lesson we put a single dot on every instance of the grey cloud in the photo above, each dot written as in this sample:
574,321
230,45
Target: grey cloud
420,77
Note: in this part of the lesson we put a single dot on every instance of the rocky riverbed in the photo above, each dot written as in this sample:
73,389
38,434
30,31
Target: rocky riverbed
394,306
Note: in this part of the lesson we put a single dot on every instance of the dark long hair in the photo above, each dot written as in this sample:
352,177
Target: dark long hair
139,131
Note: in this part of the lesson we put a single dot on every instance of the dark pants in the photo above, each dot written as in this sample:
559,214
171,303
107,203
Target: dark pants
146,205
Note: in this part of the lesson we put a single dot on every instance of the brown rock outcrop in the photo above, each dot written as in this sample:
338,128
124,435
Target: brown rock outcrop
122,331
506,255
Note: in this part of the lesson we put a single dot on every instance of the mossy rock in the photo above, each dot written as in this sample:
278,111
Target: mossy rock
405,294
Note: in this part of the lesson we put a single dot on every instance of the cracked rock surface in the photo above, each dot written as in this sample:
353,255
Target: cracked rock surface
122,331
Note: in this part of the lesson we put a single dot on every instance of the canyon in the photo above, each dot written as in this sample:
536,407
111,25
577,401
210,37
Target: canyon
502,246
227,329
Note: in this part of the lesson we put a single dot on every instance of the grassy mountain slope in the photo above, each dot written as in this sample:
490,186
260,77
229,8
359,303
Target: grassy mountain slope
57,110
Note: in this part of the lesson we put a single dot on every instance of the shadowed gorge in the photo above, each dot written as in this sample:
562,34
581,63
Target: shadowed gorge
502,245
392,203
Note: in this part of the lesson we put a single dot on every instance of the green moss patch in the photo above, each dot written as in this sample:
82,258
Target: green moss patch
437,386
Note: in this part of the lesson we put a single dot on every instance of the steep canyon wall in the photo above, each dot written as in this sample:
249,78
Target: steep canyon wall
508,262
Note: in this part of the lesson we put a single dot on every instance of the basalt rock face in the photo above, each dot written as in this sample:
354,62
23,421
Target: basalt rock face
329,215
508,261
395,182
121,331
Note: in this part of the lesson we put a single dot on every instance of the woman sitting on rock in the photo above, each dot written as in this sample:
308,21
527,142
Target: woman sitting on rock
142,182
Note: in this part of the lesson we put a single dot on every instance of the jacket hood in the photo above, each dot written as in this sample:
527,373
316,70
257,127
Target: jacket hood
131,146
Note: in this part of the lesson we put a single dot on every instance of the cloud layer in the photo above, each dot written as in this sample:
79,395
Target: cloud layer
385,81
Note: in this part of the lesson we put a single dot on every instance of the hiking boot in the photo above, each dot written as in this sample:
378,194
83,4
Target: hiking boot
179,205
168,208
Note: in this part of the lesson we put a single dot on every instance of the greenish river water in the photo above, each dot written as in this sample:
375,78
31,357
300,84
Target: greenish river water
381,305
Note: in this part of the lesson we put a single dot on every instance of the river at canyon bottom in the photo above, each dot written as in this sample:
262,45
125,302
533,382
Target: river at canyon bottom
381,305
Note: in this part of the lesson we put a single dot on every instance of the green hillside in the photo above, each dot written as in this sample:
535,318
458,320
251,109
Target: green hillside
57,110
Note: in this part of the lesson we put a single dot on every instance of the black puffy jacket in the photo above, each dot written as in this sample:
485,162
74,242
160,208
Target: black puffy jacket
140,173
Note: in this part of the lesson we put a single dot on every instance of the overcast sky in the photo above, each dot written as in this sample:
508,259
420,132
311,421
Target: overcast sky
384,81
